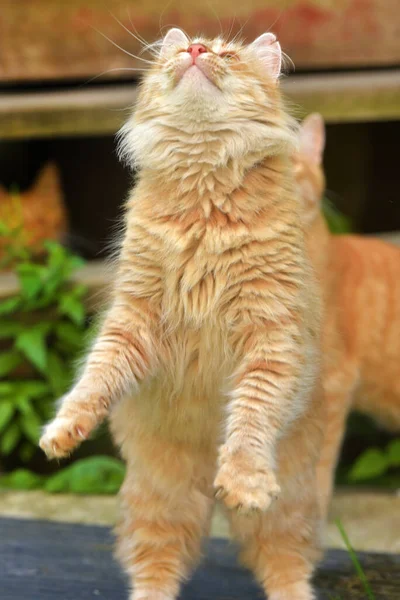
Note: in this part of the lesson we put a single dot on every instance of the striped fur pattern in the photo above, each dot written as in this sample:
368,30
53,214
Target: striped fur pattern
208,358
360,278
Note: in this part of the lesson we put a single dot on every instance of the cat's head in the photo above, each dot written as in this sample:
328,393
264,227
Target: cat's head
200,86
308,165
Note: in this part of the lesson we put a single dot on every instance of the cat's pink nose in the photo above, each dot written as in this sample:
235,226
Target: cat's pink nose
196,49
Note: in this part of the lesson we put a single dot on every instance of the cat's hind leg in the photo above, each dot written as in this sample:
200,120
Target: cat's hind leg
165,514
282,546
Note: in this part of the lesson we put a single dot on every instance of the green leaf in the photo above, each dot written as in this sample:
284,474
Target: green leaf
372,463
26,451
21,479
60,265
6,413
10,329
8,362
58,373
93,475
7,389
71,306
24,404
9,306
337,221
10,438
70,335
30,425
30,277
32,389
393,453
32,343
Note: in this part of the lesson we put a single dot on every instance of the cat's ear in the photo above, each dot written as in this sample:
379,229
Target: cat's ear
312,138
269,52
174,38
48,181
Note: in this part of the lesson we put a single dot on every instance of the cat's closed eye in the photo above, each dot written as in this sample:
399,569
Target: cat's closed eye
229,55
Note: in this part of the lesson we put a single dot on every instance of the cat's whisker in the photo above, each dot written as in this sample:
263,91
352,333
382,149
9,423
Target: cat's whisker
138,39
277,19
144,41
231,28
214,12
150,62
164,10
153,48
239,33
111,71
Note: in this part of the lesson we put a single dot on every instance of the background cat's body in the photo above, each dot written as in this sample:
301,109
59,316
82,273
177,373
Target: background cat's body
360,278
33,216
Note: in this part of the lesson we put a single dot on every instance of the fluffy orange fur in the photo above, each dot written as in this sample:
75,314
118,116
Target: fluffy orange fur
360,278
208,358
36,215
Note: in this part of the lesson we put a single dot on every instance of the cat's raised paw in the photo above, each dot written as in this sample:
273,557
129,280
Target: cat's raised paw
63,434
245,486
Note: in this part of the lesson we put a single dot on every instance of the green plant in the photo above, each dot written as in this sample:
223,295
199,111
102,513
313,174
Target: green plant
92,475
42,331
337,221
356,563
375,463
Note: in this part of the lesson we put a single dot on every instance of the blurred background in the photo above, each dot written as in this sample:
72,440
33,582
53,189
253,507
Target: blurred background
69,72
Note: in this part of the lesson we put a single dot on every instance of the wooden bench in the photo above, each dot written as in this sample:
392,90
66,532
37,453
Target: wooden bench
40,560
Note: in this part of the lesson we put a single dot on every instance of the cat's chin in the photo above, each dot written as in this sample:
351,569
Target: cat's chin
197,77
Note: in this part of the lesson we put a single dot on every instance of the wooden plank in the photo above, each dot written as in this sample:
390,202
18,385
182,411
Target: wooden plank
52,40
345,97
75,561
73,112
95,275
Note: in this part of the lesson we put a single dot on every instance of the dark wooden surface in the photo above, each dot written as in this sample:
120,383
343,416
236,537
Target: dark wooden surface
44,561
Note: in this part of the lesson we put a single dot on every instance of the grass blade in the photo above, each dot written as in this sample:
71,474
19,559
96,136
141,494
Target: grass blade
355,561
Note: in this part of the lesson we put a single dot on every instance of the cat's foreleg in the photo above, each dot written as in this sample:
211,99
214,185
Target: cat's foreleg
121,357
264,401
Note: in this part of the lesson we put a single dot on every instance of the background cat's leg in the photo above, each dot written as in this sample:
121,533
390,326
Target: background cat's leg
165,513
282,546
338,396
383,407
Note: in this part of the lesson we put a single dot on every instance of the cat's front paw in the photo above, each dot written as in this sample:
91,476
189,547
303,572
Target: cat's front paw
243,484
72,425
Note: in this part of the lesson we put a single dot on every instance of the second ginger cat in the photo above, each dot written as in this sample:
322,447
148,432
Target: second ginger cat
360,277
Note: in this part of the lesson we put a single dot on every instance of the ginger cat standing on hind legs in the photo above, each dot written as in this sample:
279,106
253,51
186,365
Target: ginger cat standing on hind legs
208,358
360,278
